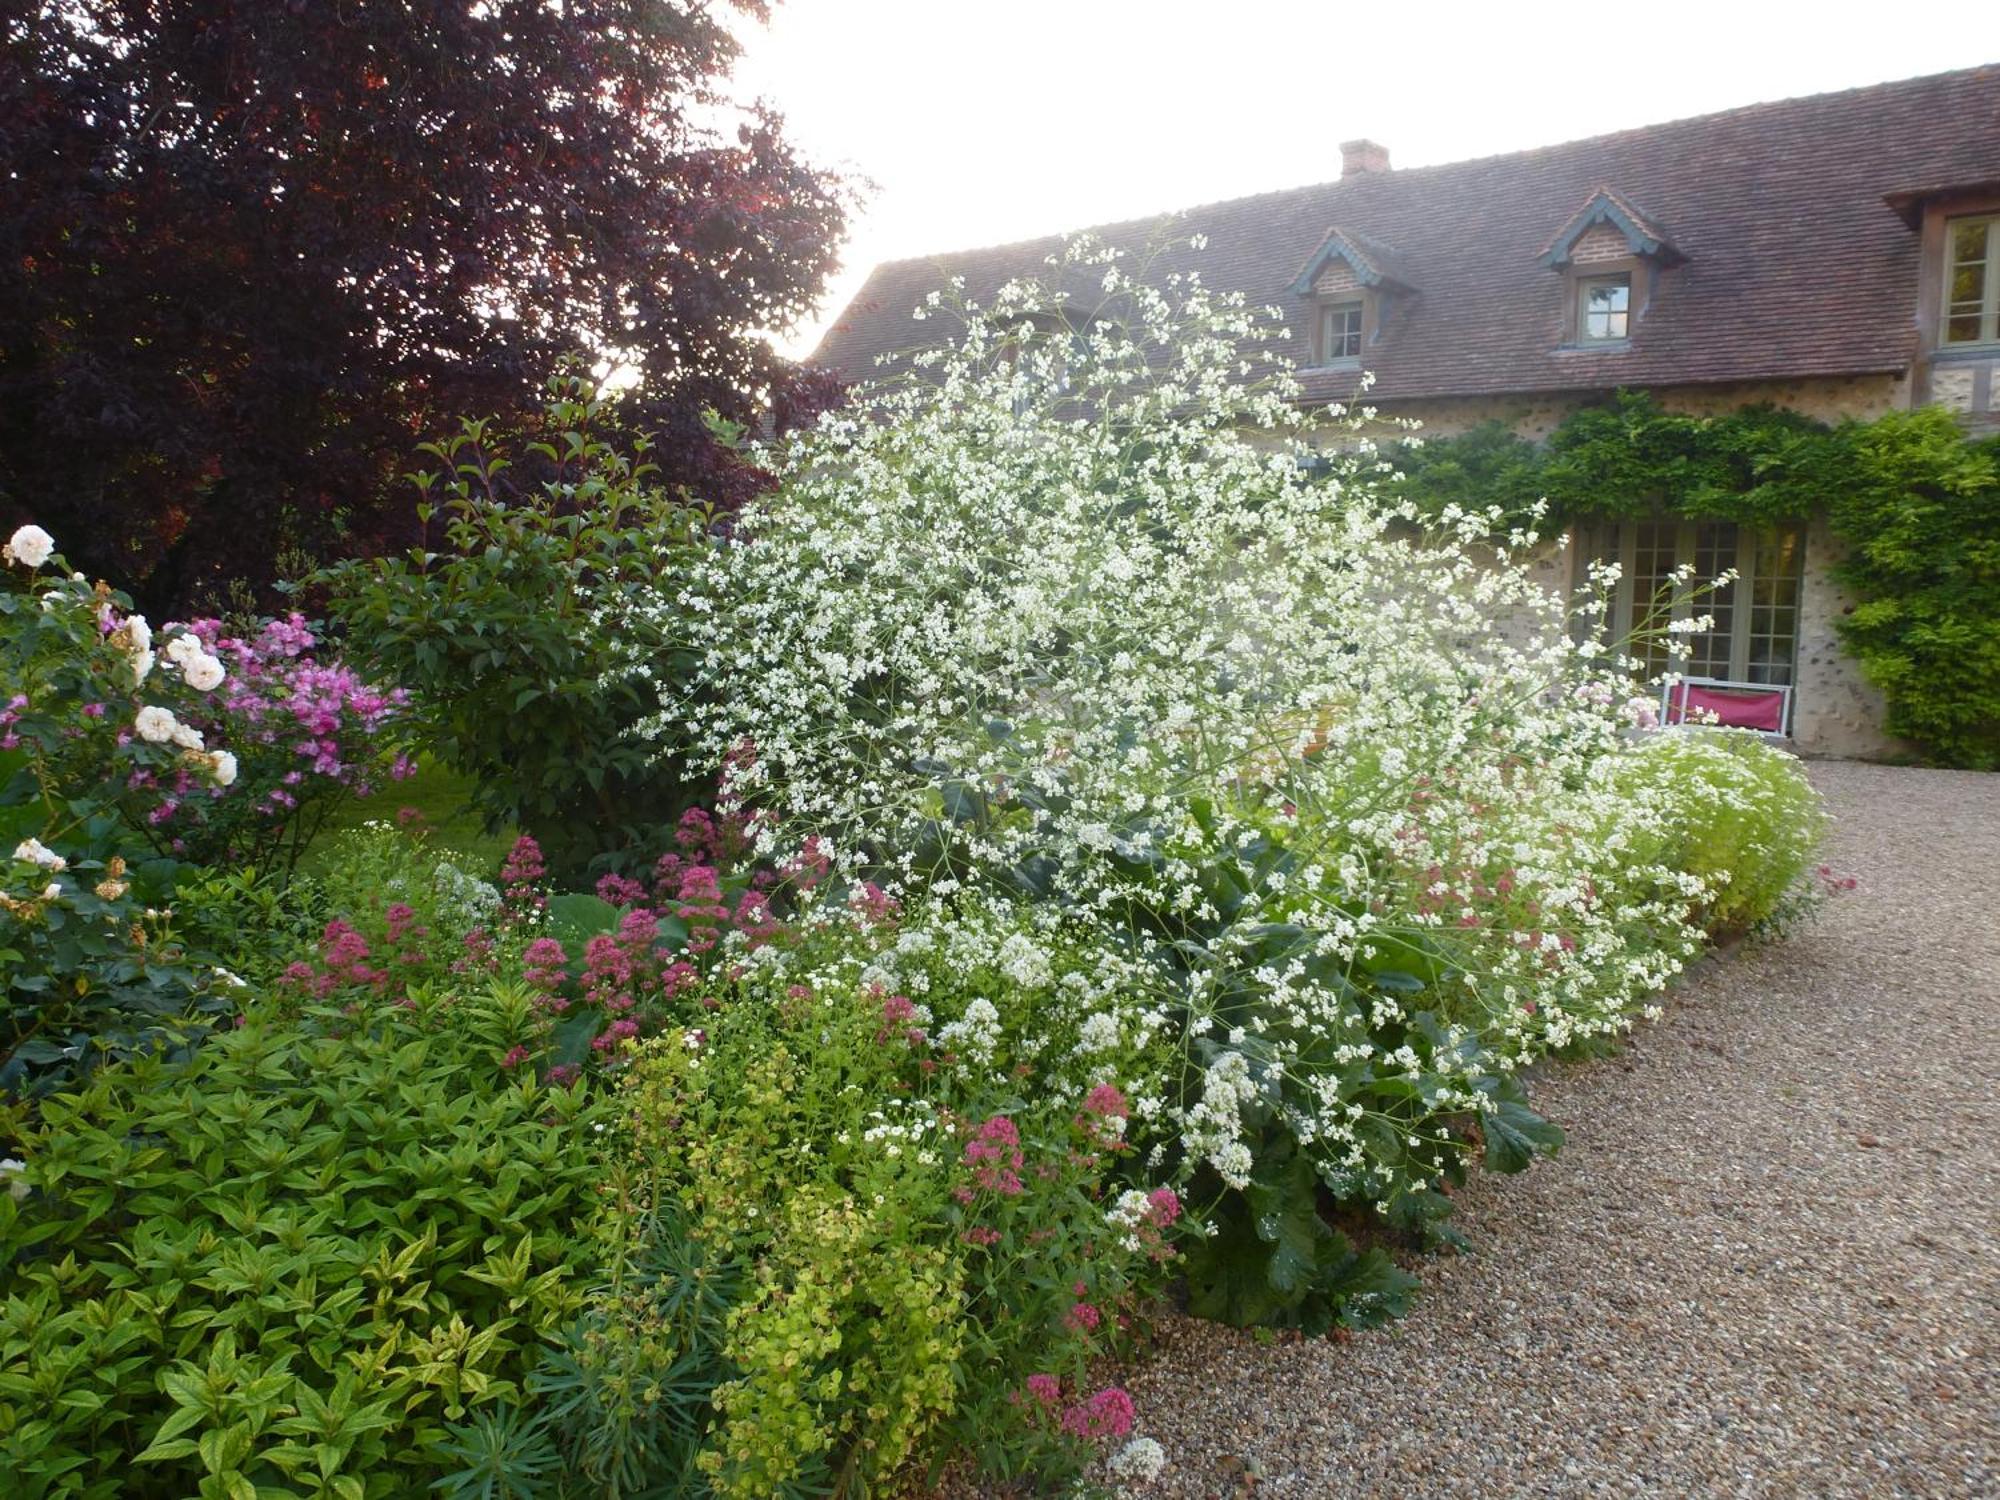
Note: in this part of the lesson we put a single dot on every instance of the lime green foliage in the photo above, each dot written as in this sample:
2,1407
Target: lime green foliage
1916,504
500,634
1920,510
836,1254
1739,813
285,1266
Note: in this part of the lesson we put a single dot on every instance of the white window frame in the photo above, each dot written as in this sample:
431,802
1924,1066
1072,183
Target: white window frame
1584,286
1358,307
1989,295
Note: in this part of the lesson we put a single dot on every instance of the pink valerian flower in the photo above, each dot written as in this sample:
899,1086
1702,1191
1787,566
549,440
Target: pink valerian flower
994,1154
524,864
1044,1389
754,918
1108,1414
608,1042
700,907
399,916
1082,1317
545,964
897,1009
981,1236
620,890
607,973
480,954
1164,1206
514,1058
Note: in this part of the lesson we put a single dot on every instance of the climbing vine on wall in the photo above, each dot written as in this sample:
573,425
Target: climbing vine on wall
1916,503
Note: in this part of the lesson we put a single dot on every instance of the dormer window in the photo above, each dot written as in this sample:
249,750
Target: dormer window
1604,308
1611,256
1350,286
1340,333
1972,281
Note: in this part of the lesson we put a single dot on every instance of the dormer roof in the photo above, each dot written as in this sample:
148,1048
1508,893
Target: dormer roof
1373,263
1642,235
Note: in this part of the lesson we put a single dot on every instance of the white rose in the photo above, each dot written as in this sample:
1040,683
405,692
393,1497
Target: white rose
14,1172
224,765
188,739
30,547
139,633
35,852
204,673
156,726
52,892
142,666
182,648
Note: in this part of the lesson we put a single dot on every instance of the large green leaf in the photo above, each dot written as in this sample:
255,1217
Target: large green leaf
1515,1134
577,915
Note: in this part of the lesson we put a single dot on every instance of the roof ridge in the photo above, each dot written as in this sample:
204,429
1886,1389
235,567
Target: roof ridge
1109,228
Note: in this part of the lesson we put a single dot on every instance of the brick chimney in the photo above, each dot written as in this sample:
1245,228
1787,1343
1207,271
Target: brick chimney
1358,157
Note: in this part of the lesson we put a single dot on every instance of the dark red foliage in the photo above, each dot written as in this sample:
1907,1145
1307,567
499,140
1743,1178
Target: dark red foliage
252,251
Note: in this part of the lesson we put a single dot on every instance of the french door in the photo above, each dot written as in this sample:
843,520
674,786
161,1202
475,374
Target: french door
1756,633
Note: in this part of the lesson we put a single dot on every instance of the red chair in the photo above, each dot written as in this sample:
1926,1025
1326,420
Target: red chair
1736,705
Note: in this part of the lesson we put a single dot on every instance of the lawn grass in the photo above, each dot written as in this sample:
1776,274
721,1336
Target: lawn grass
444,798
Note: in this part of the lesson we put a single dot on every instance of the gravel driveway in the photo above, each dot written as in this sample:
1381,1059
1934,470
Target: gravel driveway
1768,1262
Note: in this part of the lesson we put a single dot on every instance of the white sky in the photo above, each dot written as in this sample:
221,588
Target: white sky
983,123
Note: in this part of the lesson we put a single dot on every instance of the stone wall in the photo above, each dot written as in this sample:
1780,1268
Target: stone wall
1836,711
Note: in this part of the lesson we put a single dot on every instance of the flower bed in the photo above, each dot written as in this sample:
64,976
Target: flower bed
1143,867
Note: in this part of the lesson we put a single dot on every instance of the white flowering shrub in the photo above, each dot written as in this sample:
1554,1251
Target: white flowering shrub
1073,612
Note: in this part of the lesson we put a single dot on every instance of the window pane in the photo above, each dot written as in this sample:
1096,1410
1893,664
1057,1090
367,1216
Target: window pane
1340,331
1968,239
1773,642
1962,330
1606,303
1714,553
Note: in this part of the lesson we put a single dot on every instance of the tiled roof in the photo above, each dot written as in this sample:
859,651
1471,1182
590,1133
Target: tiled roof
1794,264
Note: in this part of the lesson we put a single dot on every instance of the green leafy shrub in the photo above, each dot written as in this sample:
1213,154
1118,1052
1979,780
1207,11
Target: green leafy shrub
1919,508
90,973
1734,812
501,633
285,1266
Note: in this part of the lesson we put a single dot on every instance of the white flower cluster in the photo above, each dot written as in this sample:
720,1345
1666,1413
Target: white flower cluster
1140,1461
1085,607
35,852
159,726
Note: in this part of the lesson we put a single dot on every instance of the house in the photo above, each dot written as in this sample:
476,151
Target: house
1838,255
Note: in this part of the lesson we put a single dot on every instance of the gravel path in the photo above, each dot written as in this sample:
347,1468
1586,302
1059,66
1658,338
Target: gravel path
1768,1262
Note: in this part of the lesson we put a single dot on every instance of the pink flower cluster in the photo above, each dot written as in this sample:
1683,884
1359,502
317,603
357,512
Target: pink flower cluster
994,1154
1105,1416
324,717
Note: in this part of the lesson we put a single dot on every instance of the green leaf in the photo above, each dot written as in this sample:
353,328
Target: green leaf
1515,1134
577,915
